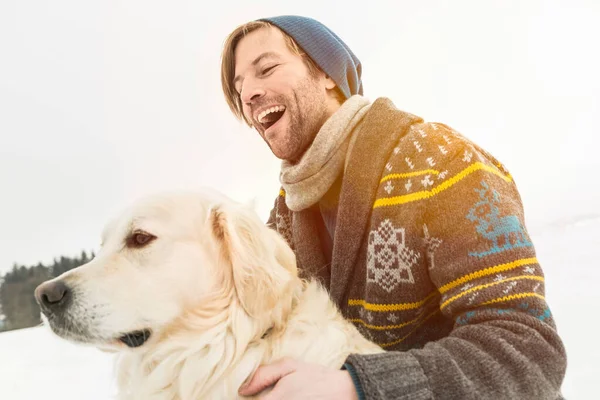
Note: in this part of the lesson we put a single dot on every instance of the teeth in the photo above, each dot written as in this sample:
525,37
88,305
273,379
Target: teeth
264,113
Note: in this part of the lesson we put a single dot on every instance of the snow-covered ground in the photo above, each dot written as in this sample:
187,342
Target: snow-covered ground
36,365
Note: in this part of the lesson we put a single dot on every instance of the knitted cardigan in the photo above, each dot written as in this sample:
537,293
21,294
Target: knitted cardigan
431,260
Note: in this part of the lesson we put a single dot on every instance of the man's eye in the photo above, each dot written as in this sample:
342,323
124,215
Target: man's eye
268,69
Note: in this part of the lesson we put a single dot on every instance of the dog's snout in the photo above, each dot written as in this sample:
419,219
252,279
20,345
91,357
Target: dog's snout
52,296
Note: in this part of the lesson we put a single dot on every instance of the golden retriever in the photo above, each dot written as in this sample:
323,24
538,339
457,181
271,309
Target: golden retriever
195,292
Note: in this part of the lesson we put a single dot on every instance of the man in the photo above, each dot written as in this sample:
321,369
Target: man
417,232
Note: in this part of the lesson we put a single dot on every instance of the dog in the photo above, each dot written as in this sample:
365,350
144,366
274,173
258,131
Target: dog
194,292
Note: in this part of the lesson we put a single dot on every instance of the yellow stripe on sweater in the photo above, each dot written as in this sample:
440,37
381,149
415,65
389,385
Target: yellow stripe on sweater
487,285
409,174
384,345
488,271
500,166
425,194
382,327
391,307
513,297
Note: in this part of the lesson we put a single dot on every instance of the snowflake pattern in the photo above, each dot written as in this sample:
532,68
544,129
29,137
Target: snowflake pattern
410,164
408,185
431,244
467,156
389,187
510,287
529,270
427,181
418,146
443,149
430,161
389,260
391,336
472,298
466,287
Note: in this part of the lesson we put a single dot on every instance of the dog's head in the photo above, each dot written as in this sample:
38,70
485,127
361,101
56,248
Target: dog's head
168,257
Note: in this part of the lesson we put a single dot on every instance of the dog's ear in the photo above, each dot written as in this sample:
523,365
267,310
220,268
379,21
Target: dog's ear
263,265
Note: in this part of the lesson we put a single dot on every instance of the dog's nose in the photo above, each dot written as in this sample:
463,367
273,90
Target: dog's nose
52,296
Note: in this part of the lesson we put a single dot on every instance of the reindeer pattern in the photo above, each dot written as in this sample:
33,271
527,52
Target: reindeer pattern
504,232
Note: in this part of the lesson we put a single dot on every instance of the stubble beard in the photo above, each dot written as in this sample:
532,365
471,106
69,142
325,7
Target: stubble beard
306,118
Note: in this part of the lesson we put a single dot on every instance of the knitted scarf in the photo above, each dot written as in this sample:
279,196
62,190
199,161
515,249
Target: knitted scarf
306,182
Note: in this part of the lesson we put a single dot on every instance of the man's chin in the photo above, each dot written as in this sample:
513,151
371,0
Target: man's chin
283,151
278,151
291,157
284,156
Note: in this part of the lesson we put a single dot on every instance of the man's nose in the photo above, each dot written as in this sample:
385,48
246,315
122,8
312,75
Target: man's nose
53,296
251,92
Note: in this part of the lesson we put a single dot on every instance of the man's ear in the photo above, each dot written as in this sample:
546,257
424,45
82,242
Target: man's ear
262,264
329,83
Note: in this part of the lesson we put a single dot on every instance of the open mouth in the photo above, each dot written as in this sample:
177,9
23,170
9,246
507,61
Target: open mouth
136,338
269,117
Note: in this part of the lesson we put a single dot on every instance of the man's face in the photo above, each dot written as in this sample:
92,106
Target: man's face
285,103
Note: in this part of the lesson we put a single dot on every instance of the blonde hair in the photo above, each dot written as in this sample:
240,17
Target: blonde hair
228,62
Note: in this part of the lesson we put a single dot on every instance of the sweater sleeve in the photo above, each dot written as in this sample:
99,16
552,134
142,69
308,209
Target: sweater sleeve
504,343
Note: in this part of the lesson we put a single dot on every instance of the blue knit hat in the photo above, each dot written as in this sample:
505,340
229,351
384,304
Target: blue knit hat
326,49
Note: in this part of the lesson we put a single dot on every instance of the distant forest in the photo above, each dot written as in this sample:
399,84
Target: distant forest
18,308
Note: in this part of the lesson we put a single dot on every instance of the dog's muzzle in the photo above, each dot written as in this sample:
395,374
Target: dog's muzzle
53,298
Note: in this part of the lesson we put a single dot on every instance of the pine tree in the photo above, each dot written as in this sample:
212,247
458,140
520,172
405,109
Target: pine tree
18,307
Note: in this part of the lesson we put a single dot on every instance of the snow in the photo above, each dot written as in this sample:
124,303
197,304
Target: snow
35,364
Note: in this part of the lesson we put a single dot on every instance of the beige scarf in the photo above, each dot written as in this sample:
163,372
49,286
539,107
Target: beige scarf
306,182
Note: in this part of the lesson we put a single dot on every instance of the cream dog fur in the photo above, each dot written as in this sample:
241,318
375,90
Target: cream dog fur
194,292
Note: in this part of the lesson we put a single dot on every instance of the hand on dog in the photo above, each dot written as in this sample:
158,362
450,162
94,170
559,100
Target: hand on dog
294,379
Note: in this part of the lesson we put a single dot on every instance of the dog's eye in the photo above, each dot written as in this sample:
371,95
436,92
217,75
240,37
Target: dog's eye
139,239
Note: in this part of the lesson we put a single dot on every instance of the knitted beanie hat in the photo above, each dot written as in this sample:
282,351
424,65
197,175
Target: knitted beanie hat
326,49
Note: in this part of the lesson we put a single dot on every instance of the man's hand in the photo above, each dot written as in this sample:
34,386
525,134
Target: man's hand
296,380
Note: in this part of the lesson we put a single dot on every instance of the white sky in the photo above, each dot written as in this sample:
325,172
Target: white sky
102,101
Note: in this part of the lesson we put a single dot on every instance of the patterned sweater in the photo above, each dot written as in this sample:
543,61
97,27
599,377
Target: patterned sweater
431,260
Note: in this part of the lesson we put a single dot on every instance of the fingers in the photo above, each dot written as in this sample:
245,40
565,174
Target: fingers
276,394
266,376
